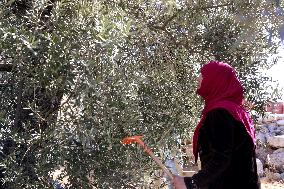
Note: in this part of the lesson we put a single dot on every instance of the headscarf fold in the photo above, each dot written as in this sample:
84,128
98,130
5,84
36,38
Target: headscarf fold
220,88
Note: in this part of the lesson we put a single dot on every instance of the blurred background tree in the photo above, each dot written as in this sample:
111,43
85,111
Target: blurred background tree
78,76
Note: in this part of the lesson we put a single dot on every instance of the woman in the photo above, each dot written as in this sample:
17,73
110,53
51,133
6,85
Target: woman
224,139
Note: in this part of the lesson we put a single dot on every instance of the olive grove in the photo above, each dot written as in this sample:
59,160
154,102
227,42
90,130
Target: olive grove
76,76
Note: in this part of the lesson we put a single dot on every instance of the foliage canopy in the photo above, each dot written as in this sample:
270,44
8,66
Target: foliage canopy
78,76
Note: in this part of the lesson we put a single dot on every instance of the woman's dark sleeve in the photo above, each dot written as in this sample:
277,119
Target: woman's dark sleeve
219,127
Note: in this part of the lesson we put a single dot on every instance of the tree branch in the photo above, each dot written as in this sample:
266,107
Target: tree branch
215,6
18,112
6,67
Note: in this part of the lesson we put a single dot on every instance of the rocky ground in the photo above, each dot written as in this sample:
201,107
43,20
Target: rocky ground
270,151
269,184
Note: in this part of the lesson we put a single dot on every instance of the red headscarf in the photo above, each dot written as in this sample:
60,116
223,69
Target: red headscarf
220,88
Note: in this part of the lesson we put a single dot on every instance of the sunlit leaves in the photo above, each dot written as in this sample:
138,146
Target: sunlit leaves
95,72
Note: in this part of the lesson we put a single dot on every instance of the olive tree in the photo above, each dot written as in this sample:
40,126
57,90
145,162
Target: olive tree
78,76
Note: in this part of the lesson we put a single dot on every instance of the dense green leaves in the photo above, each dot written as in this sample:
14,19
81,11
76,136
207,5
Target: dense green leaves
84,74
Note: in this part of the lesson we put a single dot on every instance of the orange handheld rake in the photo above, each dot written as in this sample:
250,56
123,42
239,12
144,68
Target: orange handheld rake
137,139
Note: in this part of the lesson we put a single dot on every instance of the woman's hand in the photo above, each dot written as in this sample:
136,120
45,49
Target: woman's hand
178,182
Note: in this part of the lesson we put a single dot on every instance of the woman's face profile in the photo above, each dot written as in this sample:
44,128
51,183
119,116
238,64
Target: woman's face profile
199,81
